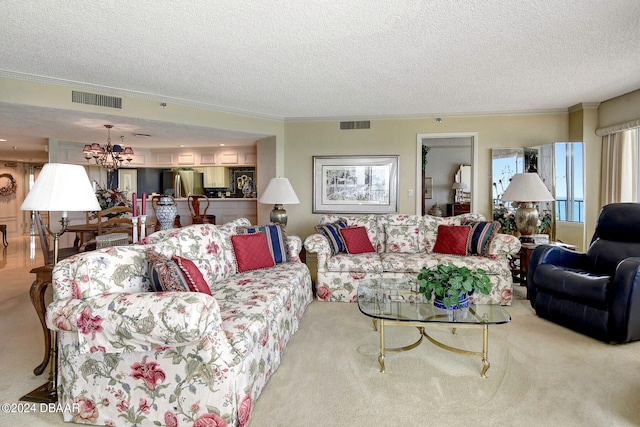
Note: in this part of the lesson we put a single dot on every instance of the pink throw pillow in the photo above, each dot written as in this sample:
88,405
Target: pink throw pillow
356,240
452,239
252,251
194,276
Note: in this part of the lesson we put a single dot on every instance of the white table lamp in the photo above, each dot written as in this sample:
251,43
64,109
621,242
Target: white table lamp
459,187
525,189
279,192
64,188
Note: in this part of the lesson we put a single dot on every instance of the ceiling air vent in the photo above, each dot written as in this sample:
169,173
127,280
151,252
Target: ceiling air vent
96,99
363,124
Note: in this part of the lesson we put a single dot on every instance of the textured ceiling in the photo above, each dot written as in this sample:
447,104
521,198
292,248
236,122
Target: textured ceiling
333,59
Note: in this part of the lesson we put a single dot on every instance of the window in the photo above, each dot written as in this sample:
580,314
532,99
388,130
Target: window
569,181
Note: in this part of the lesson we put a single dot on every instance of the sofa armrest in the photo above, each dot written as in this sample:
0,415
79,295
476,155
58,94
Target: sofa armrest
294,246
503,245
318,244
556,255
625,301
128,322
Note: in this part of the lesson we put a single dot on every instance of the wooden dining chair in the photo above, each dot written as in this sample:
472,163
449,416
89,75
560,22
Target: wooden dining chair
198,217
115,220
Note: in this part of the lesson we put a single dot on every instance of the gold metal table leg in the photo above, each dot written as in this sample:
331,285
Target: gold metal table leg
485,351
381,355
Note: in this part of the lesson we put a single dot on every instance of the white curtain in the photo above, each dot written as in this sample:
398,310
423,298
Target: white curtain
619,167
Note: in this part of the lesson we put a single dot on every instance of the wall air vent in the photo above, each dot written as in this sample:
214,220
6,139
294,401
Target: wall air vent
362,124
96,99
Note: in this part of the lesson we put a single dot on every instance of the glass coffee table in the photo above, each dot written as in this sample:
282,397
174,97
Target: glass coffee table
396,302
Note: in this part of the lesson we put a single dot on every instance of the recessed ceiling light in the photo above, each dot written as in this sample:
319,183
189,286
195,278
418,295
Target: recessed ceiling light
3,140
181,145
221,145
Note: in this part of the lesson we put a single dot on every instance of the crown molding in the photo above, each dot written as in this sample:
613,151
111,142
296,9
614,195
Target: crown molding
583,106
206,106
430,116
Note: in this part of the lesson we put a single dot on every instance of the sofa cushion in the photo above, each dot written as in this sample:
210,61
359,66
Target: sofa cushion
276,240
407,263
452,239
387,229
402,238
192,273
356,240
332,233
481,236
252,251
201,241
368,262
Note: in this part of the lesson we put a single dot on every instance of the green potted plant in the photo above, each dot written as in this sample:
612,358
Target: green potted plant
451,284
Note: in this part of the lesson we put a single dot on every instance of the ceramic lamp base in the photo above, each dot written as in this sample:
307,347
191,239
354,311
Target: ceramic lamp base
278,214
527,220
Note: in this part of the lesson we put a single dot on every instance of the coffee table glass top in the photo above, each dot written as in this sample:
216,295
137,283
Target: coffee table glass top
398,299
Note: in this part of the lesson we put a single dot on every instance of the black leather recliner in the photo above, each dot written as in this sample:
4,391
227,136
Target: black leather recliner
596,293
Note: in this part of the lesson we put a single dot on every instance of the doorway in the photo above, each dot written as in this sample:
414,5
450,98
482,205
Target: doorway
438,188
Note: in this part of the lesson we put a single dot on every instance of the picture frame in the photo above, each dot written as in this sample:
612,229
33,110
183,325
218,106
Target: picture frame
355,184
428,188
128,180
240,177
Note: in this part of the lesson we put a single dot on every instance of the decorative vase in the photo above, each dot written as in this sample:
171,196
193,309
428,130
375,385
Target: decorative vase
435,210
166,211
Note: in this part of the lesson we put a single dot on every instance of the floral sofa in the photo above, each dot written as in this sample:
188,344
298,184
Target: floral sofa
403,245
129,356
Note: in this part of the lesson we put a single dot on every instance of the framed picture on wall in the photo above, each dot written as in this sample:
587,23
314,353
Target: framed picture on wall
428,188
355,184
128,180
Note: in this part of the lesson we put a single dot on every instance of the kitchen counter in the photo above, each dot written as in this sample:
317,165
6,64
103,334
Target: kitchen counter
225,210
226,199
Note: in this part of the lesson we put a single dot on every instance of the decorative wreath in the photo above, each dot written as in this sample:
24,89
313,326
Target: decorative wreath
11,186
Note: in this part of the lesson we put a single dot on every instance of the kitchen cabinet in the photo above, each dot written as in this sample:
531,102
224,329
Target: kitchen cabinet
216,177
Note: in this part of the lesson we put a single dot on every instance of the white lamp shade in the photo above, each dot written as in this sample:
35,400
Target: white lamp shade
459,186
527,187
61,187
279,192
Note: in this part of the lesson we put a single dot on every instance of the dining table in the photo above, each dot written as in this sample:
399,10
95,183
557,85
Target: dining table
82,231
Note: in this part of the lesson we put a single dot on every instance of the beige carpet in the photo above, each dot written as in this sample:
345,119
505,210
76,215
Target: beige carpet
541,374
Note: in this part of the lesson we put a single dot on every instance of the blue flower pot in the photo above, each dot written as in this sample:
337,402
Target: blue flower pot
463,302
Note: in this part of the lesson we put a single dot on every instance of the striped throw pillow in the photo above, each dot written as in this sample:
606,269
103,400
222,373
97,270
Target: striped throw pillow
480,236
332,233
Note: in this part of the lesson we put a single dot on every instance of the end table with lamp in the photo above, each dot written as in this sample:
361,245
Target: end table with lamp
58,188
279,192
525,190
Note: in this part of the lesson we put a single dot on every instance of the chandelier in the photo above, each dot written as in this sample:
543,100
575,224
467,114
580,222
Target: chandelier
110,157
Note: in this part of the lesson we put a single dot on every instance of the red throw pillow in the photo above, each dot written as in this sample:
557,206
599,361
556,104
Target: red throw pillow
452,239
252,251
194,276
356,240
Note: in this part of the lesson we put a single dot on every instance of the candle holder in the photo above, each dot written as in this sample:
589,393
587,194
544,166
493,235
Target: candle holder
134,220
143,227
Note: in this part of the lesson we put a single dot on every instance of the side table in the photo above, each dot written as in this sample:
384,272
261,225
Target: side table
526,250
38,288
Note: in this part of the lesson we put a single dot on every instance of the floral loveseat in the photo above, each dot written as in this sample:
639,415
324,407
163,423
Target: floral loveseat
129,356
403,245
